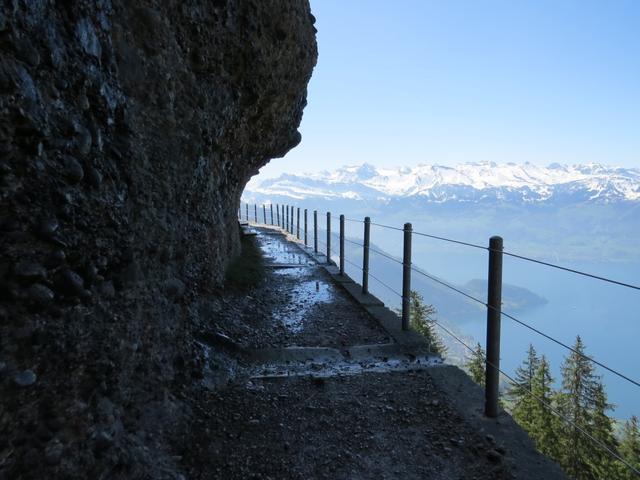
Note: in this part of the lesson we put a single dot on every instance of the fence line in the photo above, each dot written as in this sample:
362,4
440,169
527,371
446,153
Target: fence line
544,404
493,305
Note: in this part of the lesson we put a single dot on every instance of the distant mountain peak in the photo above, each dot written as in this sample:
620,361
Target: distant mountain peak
468,182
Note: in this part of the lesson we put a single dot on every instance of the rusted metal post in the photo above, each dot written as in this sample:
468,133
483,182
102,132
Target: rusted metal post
298,224
341,244
328,238
406,277
305,227
315,231
365,255
494,302
271,209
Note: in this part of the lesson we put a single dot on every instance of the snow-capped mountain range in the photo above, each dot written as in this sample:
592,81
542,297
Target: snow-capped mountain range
469,182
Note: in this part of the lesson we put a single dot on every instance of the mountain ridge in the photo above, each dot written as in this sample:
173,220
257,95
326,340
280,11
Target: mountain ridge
468,182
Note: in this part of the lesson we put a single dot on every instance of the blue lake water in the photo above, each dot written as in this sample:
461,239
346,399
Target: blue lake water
606,316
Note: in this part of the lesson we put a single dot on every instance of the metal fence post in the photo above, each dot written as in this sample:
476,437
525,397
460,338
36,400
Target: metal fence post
292,220
341,244
283,224
494,301
264,213
328,238
406,277
298,224
315,231
247,211
271,209
287,223
305,227
255,212
365,255
278,214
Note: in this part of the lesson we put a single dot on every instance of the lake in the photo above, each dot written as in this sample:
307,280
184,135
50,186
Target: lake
606,316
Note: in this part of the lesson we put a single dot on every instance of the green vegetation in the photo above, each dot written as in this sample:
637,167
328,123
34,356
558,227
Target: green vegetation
630,447
247,270
422,321
475,365
582,402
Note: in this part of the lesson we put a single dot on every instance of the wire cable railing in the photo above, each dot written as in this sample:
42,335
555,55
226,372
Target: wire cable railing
533,329
382,254
451,240
293,226
352,242
542,402
571,270
386,226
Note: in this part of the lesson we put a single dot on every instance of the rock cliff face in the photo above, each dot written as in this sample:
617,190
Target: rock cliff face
127,133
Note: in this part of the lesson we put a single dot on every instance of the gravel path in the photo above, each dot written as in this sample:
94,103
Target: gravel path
309,424
371,426
293,306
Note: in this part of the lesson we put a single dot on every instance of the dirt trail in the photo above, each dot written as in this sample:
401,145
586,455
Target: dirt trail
316,405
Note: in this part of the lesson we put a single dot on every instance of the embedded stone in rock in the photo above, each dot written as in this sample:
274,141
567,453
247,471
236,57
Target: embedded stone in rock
94,177
71,169
55,259
103,441
83,141
40,294
88,39
47,227
69,283
29,272
25,378
53,452
27,52
494,456
174,288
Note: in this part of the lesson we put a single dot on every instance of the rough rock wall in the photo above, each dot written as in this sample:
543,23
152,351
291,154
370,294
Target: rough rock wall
127,133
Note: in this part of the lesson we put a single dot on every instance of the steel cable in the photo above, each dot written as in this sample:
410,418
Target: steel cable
533,329
577,272
355,243
387,226
545,404
386,255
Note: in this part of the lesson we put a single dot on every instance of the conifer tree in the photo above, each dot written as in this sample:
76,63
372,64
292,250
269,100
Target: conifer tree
520,394
545,426
603,464
421,320
576,402
476,365
630,448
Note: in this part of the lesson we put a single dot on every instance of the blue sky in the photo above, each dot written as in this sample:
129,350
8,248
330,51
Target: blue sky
450,81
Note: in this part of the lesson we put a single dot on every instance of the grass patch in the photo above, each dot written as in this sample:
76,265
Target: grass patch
246,270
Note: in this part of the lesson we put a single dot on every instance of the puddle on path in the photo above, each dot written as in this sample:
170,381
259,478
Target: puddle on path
307,296
278,250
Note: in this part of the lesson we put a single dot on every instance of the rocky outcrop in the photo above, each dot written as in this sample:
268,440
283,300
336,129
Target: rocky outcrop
127,133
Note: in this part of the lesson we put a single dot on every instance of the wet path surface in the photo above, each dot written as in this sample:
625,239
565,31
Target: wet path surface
298,304
321,391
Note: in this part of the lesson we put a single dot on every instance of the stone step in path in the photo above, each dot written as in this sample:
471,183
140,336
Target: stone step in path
333,389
